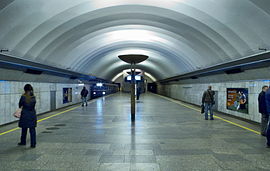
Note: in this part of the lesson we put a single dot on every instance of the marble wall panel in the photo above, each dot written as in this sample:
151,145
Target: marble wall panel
11,91
192,93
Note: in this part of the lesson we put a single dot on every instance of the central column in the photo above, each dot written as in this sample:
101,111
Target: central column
133,59
132,95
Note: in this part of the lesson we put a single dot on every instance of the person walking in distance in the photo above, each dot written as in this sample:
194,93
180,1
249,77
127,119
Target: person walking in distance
28,119
138,92
208,102
84,94
263,110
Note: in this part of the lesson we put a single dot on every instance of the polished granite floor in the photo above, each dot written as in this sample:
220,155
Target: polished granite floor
166,136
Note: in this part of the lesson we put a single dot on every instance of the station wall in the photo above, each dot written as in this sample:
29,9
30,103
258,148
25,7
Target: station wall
192,93
11,91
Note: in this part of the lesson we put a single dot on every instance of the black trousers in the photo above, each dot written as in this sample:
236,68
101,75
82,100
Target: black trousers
268,133
264,122
32,135
138,96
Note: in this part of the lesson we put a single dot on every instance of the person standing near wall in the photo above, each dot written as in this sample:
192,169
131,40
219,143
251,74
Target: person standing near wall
267,102
208,102
84,94
262,110
28,117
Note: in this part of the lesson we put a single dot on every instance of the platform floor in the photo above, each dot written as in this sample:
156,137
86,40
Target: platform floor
166,136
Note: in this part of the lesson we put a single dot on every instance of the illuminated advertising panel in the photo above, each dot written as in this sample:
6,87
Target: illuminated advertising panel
237,99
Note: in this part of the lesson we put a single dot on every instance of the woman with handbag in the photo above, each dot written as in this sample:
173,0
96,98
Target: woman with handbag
28,118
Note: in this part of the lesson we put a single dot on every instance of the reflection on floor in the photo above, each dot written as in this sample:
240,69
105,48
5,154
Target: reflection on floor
166,136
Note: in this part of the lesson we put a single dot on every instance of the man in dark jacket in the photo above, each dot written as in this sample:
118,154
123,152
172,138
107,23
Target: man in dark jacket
84,94
208,102
262,110
267,102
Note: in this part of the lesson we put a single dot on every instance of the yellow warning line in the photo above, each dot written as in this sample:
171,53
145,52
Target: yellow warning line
40,120
241,126
14,129
58,114
182,104
225,120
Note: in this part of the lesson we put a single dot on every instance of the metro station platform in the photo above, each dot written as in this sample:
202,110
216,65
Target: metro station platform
167,136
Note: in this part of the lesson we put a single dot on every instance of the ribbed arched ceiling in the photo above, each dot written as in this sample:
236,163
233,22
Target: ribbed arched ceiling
179,36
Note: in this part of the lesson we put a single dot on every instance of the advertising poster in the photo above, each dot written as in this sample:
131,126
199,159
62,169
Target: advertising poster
67,95
237,99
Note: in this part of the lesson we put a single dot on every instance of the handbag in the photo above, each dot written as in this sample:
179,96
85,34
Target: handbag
202,109
17,113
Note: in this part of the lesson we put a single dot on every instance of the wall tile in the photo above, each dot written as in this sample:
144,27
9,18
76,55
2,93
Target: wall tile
194,94
11,91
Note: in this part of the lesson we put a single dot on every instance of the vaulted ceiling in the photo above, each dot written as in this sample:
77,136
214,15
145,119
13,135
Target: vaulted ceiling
179,36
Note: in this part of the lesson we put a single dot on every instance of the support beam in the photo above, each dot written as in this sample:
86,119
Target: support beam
14,63
250,62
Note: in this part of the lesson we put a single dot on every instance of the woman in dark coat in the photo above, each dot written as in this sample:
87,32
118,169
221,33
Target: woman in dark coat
28,117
